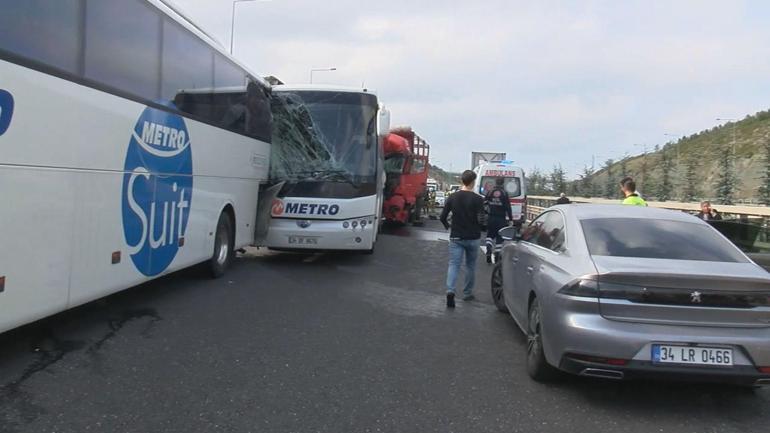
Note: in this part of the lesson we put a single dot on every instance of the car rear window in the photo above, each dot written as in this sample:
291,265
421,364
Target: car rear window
657,239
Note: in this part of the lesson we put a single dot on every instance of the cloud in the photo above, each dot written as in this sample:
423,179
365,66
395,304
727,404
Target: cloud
547,81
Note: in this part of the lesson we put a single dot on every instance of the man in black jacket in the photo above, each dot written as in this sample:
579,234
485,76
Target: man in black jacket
465,206
707,212
499,205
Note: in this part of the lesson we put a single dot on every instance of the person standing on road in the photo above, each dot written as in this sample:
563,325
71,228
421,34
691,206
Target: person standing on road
465,206
628,186
499,205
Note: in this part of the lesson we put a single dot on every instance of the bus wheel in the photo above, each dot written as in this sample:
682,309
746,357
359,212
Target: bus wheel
223,247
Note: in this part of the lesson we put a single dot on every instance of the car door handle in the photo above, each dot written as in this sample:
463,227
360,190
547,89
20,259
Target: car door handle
515,260
530,269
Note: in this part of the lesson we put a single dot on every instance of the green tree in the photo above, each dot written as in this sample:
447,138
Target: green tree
665,187
536,182
610,189
586,185
691,179
764,187
557,180
726,182
623,168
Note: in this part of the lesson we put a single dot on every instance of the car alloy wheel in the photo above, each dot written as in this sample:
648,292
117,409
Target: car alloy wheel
497,288
537,366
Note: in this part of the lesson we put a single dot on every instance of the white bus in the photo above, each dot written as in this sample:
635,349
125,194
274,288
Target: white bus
111,174
328,151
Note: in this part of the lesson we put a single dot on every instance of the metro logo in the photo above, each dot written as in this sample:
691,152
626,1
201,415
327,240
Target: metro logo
161,140
163,136
306,209
277,208
157,190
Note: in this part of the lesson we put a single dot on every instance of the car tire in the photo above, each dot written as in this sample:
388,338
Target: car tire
537,366
224,250
497,288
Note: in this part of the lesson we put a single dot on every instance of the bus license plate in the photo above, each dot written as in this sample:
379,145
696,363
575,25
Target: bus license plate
664,354
302,240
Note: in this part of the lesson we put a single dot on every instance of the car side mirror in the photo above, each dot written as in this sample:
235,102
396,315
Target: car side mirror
509,233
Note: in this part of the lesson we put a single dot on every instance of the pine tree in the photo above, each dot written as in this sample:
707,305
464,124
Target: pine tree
586,187
557,181
536,182
691,179
623,167
764,188
727,182
665,188
610,190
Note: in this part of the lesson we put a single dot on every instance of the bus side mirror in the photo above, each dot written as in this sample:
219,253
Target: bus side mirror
509,233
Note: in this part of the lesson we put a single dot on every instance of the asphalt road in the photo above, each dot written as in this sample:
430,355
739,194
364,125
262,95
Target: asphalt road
323,343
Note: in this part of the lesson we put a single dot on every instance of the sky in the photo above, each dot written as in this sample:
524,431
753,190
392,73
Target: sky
547,82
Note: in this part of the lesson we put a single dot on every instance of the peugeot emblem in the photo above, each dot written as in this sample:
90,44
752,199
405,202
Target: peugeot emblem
303,224
695,297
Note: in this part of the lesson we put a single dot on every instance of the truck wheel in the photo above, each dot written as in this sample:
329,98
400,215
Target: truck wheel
224,250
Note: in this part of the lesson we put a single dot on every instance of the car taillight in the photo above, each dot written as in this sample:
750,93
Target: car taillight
765,370
582,288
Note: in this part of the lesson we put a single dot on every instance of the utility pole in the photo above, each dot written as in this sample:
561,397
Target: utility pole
319,70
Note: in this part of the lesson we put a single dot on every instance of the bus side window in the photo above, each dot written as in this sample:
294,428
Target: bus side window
44,31
188,64
123,54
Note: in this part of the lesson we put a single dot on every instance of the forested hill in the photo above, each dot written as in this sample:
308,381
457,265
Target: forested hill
700,166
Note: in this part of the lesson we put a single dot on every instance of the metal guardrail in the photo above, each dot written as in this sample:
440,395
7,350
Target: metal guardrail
537,203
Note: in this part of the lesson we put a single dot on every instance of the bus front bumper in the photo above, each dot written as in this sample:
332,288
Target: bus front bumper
309,234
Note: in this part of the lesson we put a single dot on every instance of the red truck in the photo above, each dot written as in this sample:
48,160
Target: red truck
406,169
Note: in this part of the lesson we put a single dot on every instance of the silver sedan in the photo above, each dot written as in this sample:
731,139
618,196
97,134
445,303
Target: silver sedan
626,292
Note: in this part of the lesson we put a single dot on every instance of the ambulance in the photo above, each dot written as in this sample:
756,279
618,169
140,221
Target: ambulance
515,185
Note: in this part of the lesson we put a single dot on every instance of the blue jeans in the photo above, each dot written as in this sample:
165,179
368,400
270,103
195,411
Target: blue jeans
456,249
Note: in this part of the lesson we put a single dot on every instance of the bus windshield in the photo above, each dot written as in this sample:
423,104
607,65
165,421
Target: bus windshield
324,136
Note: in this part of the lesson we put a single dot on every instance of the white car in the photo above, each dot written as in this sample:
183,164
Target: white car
440,198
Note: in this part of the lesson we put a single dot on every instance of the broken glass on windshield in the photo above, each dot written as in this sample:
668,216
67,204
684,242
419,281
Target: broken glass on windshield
324,136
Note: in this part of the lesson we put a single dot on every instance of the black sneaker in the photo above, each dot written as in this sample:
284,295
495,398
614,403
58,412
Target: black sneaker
489,258
469,298
450,300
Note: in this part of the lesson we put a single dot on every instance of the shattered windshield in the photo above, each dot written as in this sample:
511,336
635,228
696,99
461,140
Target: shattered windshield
324,136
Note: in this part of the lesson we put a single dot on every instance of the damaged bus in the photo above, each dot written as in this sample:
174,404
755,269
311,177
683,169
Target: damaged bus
327,158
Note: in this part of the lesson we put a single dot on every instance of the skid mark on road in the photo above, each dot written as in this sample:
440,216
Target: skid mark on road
415,303
117,324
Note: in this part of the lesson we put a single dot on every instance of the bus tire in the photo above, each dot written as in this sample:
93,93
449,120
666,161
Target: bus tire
224,250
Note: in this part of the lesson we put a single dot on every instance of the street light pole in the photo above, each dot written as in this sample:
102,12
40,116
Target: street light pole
320,70
232,21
